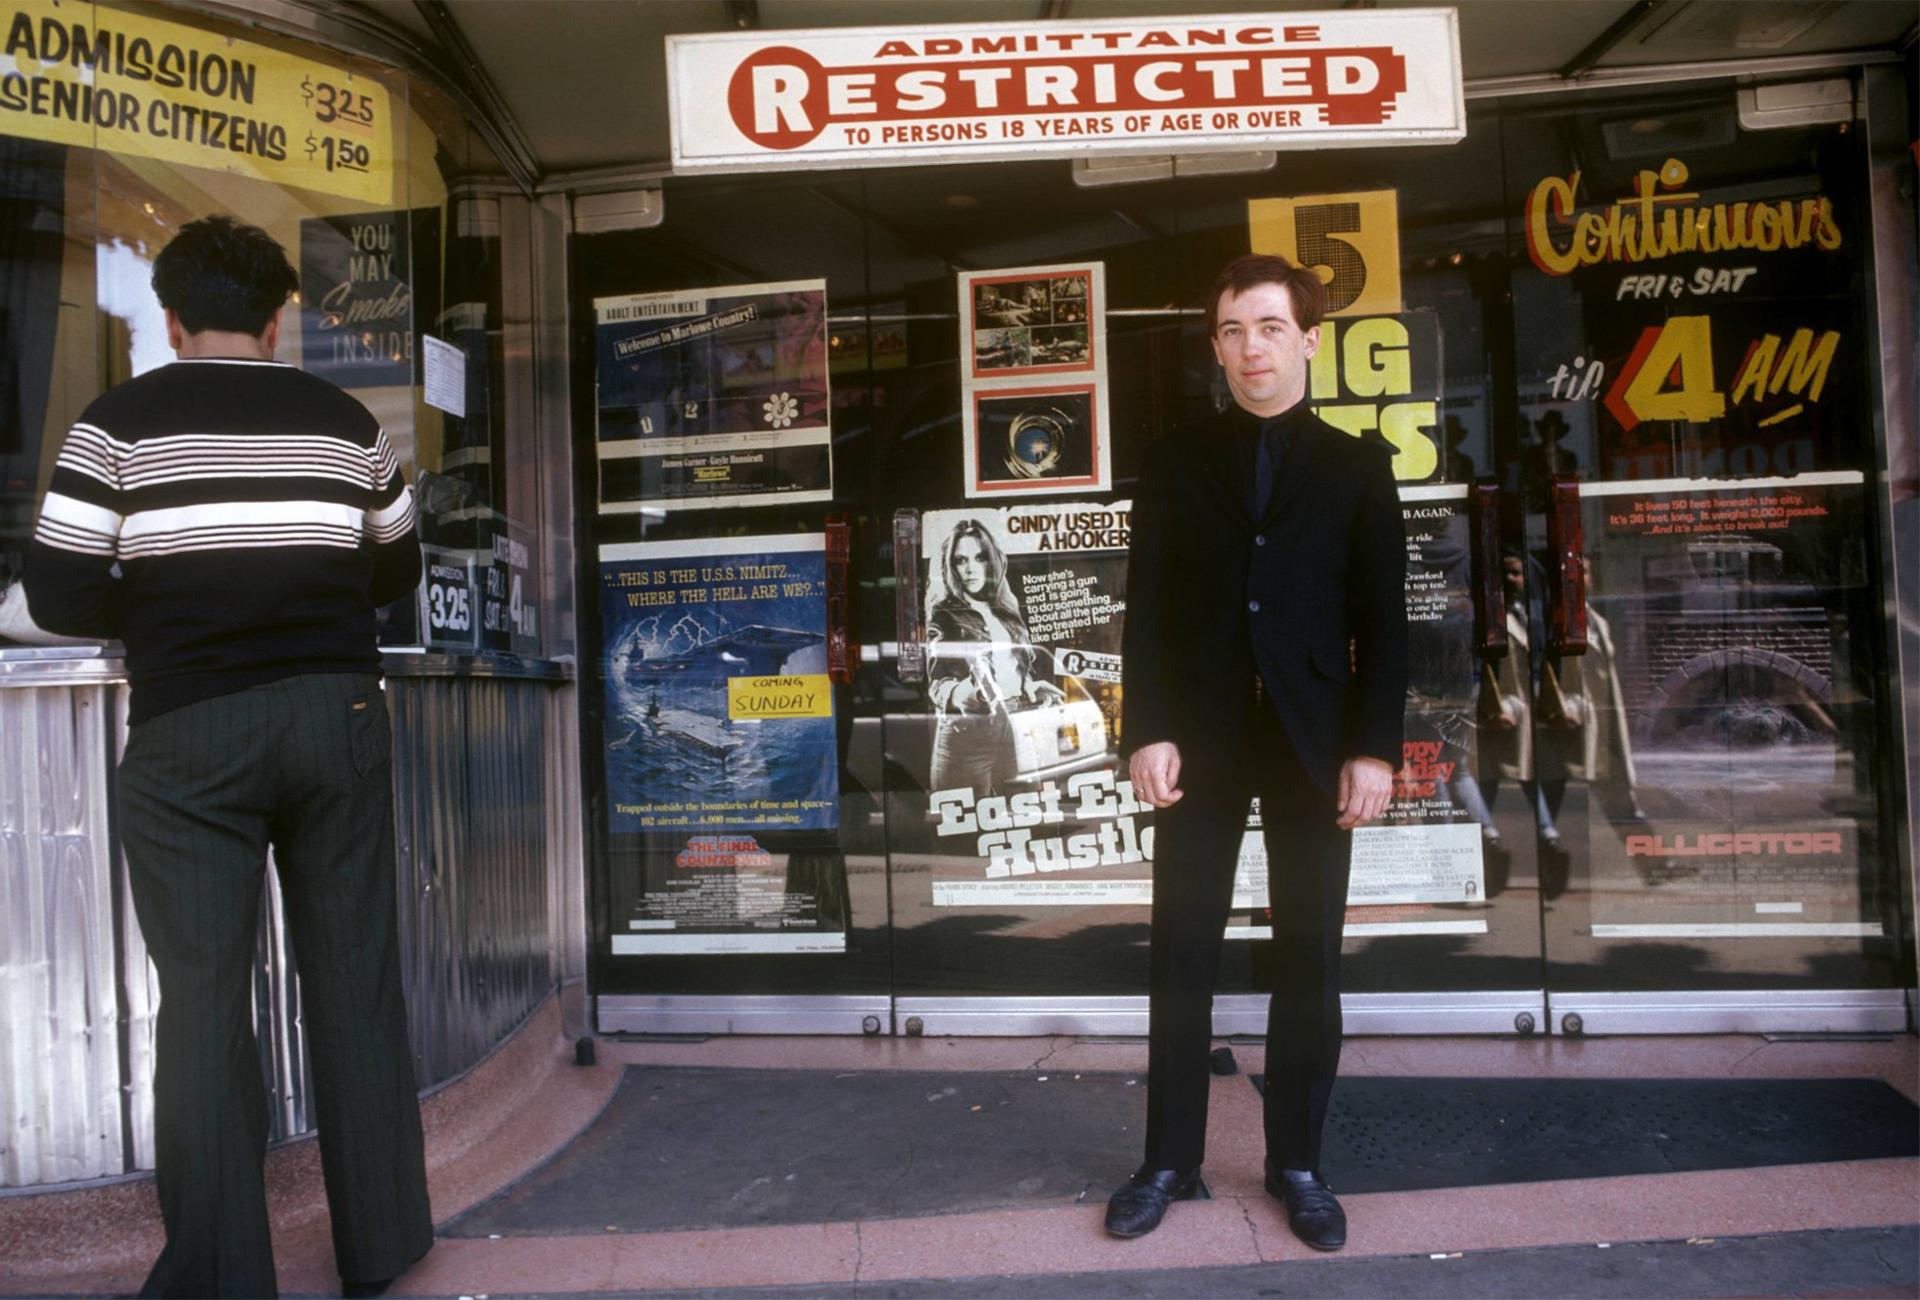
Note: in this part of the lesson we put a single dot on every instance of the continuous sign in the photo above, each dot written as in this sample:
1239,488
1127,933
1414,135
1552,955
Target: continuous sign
849,97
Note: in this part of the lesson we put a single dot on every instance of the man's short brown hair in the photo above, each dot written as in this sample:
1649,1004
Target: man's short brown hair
1304,289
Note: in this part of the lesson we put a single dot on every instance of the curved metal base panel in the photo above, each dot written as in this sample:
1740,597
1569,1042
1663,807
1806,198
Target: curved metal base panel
1762,1011
1520,1011
1237,1013
635,1014
1512,1011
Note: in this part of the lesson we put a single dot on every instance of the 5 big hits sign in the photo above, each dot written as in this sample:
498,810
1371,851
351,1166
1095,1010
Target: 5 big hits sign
1378,365
972,92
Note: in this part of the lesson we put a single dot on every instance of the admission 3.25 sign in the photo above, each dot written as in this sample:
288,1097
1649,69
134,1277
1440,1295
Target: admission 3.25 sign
859,96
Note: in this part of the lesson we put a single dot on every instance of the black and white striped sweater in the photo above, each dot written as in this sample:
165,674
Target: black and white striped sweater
257,517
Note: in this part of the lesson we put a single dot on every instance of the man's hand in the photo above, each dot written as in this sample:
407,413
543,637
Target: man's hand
1155,770
1366,787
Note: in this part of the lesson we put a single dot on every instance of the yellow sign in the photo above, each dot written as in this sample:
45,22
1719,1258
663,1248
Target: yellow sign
1649,225
95,78
1352,240
806,695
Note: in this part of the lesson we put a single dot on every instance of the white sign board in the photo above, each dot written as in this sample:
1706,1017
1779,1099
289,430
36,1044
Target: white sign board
445,376
866,96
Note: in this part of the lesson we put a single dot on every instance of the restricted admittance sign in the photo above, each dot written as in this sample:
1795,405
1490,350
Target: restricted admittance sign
852,97
132,84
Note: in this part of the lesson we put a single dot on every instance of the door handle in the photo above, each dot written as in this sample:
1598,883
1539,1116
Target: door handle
909,624
1566,571
840,648
1489,596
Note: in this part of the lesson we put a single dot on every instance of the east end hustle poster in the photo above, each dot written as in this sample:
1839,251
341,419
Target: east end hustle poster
714,397
719,712
1027,802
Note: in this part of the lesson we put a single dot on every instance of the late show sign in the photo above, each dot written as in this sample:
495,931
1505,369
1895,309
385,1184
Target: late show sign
851,97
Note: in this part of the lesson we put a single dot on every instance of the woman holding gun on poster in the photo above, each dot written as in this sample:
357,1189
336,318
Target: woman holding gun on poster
980,663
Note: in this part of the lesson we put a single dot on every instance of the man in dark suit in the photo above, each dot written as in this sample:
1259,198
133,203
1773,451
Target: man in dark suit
1265,654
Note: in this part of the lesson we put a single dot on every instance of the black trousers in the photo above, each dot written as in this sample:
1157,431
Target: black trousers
1196,847
303,765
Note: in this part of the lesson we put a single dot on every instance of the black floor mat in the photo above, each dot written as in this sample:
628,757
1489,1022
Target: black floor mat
1409,1134
693,1148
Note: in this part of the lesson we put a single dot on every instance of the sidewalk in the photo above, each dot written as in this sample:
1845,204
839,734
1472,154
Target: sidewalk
1839,1228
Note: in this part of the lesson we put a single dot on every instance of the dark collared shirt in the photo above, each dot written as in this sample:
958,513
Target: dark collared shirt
1266,445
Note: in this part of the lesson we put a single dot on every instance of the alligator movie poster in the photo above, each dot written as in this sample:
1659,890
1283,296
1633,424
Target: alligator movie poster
1730,727
719,715
714,397
1027,802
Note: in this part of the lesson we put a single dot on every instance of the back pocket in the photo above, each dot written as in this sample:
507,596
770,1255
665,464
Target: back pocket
368,734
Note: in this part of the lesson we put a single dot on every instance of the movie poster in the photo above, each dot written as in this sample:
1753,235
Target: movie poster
1027,804
1724,732
729,893
1421,868
719,712
715,397
1033,386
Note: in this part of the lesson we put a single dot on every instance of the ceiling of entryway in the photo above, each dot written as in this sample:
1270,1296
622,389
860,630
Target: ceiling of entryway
580,85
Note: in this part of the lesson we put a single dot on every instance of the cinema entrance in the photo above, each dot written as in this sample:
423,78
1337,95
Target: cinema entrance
1624,342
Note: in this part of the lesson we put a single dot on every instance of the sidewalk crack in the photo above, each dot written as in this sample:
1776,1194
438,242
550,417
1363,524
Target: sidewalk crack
859,1251
1252,1230
1053,1047
1885,1263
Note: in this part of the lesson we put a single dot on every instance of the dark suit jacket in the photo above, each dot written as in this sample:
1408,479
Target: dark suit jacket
1326,568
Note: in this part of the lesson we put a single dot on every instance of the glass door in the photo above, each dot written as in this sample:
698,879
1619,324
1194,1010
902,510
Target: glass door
1694,582
1018,872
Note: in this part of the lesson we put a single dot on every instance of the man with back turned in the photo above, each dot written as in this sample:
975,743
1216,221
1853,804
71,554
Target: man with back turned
236,523
1265,655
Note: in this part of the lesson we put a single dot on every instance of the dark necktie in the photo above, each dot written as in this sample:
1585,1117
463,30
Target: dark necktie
1269,452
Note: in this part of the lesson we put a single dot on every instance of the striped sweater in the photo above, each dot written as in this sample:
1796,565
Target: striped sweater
232,522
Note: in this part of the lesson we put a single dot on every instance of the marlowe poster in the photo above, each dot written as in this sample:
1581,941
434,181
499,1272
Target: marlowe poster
714,397
1414,869
719,711
1427,849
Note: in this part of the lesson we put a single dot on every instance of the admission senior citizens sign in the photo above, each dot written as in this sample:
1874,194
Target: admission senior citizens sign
860,96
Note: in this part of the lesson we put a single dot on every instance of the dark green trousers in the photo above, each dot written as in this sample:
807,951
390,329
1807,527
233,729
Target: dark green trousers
304,765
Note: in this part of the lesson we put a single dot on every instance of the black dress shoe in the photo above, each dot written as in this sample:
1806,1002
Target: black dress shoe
1312,1212
1136,1209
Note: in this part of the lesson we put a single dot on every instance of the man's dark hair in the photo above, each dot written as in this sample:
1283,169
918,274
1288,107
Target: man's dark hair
1304,289
218,274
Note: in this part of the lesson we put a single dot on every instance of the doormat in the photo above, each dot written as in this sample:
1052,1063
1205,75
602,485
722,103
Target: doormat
1412,1134
680,1148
